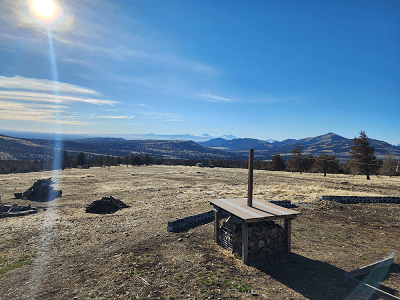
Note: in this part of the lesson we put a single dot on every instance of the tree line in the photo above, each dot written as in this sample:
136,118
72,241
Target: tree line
362,161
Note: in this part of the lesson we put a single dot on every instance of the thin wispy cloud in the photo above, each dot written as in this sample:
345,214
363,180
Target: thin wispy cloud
80,62
30,99
23,83
92,32
160,116
126,52
43,97
14,111
214,98
114,117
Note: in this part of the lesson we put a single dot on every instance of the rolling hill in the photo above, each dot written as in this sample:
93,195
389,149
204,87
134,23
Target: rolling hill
330,143
232,149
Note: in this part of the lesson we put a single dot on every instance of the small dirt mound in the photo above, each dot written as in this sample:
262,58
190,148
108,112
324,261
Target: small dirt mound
41,190
107,205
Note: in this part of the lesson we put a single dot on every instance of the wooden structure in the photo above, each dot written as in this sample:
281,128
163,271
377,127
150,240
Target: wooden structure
251,211
258,212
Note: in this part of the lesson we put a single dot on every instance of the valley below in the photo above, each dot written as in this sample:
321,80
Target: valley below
62,252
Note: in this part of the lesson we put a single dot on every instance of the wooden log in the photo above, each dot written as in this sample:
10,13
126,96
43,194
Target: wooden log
250,180
216,226
245,242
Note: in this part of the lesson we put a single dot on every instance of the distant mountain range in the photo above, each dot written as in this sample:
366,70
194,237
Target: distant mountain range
222,148
147,136
330,143
18,148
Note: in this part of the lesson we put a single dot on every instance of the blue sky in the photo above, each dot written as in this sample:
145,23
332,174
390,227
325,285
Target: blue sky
259,69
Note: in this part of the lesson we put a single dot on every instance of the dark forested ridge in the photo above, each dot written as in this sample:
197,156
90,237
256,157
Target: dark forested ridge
19,149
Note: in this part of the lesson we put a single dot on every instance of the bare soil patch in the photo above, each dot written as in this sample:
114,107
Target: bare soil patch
62,252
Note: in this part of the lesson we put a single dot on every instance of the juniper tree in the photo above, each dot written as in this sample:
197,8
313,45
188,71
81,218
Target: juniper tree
277,163
326,163
81,159
66,160
389,166
363,155
296,158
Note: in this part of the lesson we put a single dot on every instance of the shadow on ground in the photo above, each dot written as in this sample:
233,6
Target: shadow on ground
311,278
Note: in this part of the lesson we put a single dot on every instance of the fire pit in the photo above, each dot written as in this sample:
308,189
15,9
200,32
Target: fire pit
16,210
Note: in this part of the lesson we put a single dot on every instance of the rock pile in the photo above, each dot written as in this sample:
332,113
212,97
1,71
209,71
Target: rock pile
107,205
265,238
41,190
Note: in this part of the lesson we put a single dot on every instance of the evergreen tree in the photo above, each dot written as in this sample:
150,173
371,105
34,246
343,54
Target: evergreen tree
389,166
81,159
308,161
147,160
66,160
326,164
108,161
296,159
126,160
100,160
398,167
137,160
277,163
363,155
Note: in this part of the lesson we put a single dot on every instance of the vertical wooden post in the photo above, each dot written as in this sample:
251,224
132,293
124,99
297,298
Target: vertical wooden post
250,180
216,226
288,233
245,242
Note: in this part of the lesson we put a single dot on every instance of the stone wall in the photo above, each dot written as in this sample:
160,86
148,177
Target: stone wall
283,203
186,223
265,238
357,199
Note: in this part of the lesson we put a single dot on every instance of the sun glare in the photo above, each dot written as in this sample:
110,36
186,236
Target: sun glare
45,10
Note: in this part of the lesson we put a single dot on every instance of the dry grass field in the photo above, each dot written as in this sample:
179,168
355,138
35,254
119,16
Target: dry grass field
64,253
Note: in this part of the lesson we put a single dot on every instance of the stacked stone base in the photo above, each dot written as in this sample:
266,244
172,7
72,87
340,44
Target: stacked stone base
265,238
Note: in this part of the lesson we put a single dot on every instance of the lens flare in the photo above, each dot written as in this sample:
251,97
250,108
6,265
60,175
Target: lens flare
45,10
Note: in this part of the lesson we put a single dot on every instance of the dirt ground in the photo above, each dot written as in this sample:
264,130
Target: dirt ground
64,253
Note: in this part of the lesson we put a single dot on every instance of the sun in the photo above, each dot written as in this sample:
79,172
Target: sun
45,10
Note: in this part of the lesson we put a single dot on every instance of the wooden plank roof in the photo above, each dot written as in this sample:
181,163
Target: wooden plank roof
260,211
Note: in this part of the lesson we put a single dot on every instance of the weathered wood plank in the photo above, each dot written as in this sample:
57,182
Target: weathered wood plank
288,233
250,179
260,211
